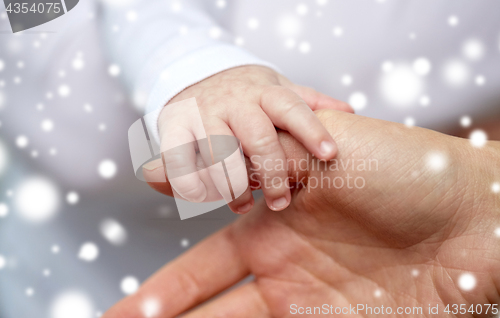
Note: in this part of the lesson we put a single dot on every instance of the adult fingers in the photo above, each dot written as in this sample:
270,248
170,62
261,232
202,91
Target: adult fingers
204,271
261,145
290,112
244,302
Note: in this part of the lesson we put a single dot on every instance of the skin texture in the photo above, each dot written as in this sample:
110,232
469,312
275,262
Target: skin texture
404,239
247,102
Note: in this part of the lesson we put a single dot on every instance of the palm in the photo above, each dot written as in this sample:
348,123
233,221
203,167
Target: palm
294,263
402,240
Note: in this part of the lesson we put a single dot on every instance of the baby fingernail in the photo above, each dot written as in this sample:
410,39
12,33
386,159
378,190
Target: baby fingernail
280,203
327,148
152,165
245,208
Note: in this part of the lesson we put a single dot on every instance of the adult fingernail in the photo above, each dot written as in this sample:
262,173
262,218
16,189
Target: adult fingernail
152,165
280,203
327,148
245,208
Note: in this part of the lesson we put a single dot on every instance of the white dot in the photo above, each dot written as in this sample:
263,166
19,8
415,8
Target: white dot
176,6
221,3
422,66
3,262
497,232
114,70
88,108
53,151
253,23
184,242
480,80
304,47
72,304
338,31
377,293
129,285
64,90
17,80
495,187
2,65
473,49
424,101
22,141
55,249
358,100
78,64
465,121
46,272
20,64
102,127
113,231
4,210
107,169
456,73
453,20
215,32
151,308
436,161
321,2
467,282
401,86
47,125
289,26
387,66
409,121
415,272
131,16
37,199
72,198
239,41
478,138
290,43
30,292
346,80
88,252
302,9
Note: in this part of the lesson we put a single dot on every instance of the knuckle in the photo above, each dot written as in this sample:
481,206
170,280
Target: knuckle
185,187
264,145
189,285
176,161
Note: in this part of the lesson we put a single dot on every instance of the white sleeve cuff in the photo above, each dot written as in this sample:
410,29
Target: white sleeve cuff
190,70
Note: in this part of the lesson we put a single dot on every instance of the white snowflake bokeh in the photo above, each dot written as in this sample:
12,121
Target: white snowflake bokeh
62,162
467,282
37,199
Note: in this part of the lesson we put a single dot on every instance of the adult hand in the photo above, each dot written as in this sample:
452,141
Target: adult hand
425,216
246,102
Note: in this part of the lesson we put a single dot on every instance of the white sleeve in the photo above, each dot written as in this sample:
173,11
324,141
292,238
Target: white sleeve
162,47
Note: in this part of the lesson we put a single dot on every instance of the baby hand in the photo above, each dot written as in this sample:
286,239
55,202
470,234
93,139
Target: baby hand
247,102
